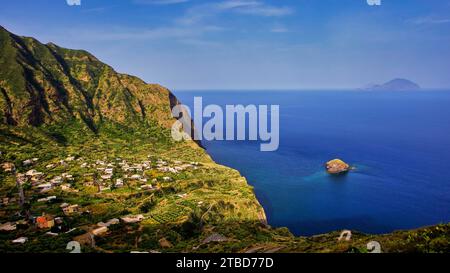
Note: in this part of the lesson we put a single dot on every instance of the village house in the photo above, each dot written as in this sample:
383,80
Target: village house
70,158
133,219
99,231
113,221
99,162
161,162
27,162
147,187
184,195
47,199
8,167
135,168
8,226
136,176
35,180
44,187
147,164
167,169
66,187
45,221
67,176
106,176
50,166
20,240
33,173
119,183
105,188
51,233
56,180
71,209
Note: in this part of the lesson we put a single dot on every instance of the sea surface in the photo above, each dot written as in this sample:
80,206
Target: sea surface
399,143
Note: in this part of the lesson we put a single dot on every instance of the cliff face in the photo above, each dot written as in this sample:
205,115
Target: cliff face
45,84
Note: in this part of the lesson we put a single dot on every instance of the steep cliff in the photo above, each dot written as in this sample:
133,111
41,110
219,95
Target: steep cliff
47,84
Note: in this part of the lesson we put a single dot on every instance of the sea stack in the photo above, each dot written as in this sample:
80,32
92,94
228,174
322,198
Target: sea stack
337,166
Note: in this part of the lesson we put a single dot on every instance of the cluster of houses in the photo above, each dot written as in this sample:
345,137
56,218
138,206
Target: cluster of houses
106,171
178,166
106,174
109,172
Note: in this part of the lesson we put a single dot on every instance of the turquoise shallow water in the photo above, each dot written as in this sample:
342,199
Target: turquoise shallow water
398,142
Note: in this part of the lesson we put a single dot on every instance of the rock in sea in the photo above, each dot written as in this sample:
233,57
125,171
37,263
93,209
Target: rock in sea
337,166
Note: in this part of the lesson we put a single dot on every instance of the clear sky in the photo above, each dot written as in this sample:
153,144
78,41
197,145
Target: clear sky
250,44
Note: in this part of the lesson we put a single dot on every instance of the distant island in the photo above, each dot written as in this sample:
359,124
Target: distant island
394,85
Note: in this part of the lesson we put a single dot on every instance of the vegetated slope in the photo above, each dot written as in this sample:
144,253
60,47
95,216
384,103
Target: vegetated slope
47,84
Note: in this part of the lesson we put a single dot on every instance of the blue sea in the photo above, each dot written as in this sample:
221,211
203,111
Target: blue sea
399,143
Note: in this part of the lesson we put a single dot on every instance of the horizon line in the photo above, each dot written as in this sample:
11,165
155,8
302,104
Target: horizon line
353,89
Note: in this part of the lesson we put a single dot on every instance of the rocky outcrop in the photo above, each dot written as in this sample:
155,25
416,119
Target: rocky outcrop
337,166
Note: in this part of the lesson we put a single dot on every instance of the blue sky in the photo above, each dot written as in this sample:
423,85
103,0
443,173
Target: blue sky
250,44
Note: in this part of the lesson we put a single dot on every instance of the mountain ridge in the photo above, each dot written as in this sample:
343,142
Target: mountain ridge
54,84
